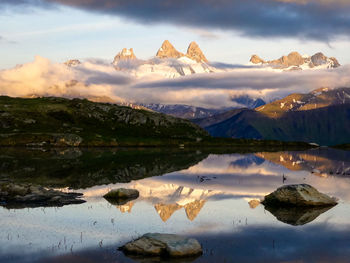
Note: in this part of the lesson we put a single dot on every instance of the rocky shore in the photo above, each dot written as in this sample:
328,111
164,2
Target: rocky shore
27,195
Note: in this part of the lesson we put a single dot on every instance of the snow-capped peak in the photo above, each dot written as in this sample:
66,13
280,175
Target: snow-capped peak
125,54
295,61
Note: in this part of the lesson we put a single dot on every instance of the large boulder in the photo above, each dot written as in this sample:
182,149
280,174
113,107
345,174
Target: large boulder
164,245
302,195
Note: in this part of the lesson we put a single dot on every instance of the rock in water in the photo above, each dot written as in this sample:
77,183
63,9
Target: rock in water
298,195
167,245
27,195
122,195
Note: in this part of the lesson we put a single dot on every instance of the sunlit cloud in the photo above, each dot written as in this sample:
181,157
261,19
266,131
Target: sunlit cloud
98,78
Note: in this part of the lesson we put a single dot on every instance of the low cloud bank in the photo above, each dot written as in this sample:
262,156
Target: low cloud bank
96,79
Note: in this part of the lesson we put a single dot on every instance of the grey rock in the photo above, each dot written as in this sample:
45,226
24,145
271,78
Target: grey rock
26,195
302,195
167,245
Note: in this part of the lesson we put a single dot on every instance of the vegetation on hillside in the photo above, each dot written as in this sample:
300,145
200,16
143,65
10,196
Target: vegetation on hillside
59,122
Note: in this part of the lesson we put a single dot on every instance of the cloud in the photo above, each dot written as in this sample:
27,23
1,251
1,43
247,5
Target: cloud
311,19
44,78
99,79
5,41
267,84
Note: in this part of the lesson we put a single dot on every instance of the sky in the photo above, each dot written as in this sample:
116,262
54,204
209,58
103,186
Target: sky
227,31
42,34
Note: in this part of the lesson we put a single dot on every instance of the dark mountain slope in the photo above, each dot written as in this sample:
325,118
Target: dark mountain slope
325,126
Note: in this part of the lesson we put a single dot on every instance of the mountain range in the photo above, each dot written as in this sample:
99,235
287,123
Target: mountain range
171,63
320,117
295,61
168,62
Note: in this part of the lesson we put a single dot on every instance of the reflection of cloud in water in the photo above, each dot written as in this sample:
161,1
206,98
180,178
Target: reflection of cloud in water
232,176
211,209
166,198
322,162
256,178
234,163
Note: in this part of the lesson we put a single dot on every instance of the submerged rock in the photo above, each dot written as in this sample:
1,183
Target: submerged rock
165,245
297,216
121,196
302,195
28,195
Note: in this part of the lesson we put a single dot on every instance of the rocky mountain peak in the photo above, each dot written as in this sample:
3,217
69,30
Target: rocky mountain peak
255,59
125,54
320,59
167,50
72,62
295,61
195,53
335,62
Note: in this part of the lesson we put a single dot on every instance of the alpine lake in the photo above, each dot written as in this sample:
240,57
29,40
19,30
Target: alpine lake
203,194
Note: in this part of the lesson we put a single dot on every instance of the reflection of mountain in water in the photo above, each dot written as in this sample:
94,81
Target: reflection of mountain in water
82,168
322,162
297,215
192,209
169,198
247,161
126,208
165,211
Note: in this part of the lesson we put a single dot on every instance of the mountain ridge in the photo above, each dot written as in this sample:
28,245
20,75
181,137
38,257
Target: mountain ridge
321,116
295,61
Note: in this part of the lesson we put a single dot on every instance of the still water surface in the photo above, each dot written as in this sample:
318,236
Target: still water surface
208,198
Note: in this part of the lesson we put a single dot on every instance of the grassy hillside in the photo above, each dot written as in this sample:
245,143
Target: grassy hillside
63,122
58,122
316,99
